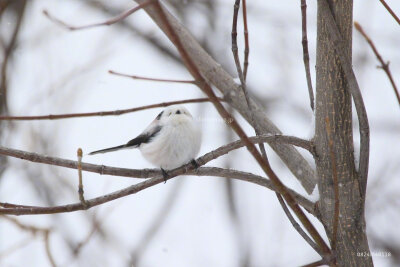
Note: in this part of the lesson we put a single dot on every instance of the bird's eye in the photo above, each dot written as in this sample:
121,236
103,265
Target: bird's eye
178,112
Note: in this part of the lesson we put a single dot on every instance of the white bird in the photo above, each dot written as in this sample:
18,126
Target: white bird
172,139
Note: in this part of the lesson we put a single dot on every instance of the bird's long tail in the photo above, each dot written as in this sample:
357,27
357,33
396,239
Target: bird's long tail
110,149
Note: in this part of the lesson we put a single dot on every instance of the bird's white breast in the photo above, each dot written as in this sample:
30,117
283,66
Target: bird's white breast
177,143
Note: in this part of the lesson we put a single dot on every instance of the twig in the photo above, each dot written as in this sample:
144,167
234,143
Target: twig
150,79
8,52
246,40
105,113
47,248
34,230
306,55
203,85
105,23
315,264
390,11
354,89
297,226
80,186
384,65
335,218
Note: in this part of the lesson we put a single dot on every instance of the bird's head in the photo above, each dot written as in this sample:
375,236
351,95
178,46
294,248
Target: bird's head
174,114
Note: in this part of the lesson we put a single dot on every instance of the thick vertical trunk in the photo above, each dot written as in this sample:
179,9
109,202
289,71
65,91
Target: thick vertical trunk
333,105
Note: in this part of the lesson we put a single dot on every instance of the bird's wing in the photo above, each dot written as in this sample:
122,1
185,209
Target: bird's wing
143,138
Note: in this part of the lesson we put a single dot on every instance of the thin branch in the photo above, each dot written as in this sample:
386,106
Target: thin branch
105,23
80,185
384,65
205,87
34,230
150,79
246,40
355,91
297,226
105,113
390,11
47,248
315,264
335,218
306,55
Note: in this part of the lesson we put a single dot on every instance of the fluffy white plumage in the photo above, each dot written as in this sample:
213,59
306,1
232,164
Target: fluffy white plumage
171,140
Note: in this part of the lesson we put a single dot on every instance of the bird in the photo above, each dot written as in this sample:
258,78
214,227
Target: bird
172,139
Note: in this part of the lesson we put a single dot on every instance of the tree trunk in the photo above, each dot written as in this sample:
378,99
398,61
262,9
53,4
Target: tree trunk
333,107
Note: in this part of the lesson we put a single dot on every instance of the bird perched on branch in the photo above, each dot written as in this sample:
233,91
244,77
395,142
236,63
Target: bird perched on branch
172,139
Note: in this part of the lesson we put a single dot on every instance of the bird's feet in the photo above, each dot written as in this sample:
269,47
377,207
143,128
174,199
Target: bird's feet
165,175
194,163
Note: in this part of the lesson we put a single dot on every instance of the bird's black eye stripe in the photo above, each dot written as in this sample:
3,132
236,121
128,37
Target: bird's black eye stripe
159,115
178,112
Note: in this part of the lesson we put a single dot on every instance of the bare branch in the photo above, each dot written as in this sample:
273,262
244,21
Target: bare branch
315,264
306,55
34,230
105,113
384,65
105,23
297,226
390,11
246,40
342,52
146,173
150,79
47,248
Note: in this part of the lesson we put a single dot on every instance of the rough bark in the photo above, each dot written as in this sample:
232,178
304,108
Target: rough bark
333,103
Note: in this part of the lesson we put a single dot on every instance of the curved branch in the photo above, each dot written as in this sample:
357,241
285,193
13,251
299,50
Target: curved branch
384,65
158,178
147,173
105,113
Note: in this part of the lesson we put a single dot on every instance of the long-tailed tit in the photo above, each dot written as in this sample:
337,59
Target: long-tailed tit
172,139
